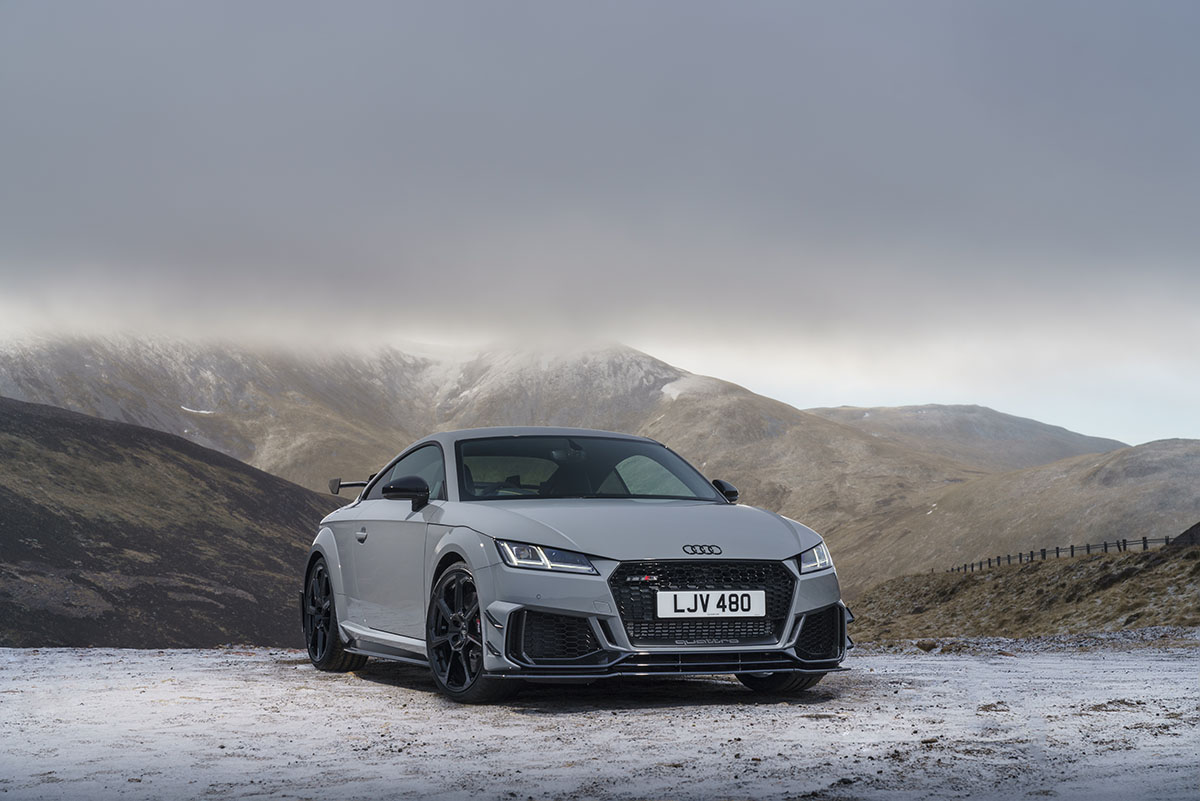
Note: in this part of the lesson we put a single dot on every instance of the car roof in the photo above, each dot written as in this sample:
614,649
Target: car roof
450,437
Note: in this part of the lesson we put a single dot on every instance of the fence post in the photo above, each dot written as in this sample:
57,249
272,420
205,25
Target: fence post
1145,544
1043,554
1072,550
1009,558
1087,547
1166,540
1106,546
1056,553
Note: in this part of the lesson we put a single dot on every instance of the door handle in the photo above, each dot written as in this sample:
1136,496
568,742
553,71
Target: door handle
361,536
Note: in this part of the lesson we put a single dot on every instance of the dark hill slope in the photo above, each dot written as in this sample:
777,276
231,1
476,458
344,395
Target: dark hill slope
118,535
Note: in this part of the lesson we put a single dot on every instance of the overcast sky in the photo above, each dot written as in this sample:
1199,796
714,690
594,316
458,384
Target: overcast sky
830,203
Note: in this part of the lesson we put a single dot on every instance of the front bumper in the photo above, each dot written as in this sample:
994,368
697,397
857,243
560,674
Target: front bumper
555,626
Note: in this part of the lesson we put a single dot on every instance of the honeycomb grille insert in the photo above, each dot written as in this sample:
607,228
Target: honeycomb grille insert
547,638
635,587
820,636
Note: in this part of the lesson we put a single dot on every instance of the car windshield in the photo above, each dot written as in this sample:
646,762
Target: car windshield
505,468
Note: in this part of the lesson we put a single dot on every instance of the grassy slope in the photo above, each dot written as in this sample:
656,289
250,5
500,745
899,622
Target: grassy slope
1104,592
972,435
118,535
1145,491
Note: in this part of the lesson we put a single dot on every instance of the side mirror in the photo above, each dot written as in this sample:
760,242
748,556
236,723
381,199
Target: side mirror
408,488
725,488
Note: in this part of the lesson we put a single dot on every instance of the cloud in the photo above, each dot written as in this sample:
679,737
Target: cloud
825,177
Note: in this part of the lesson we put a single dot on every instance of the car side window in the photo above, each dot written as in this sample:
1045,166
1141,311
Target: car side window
425,462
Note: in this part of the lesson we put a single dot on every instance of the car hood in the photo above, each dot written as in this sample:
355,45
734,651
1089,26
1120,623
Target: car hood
635,529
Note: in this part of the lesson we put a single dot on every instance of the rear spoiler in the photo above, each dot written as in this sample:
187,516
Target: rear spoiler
336,484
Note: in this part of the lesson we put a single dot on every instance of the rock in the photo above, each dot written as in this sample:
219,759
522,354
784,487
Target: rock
926,645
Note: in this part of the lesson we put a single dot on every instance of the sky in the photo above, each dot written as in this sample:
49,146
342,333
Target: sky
870,203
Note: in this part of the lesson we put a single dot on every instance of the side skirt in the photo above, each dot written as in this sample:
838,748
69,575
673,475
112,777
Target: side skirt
383,652
383,644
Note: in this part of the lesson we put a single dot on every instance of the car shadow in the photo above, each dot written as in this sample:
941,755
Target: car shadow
615,694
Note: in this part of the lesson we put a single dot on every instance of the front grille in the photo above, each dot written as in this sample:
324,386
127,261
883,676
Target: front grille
547,638
820,635
635,587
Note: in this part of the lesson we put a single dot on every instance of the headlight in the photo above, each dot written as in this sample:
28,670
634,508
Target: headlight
815,559
537,557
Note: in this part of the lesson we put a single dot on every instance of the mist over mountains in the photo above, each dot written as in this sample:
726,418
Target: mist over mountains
866,478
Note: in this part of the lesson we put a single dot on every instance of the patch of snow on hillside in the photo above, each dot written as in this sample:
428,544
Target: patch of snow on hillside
690,384
197,411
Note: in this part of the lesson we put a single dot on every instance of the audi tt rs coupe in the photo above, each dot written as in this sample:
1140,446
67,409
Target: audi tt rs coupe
500,556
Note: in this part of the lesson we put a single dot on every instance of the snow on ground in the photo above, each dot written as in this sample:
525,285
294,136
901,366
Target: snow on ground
1105,723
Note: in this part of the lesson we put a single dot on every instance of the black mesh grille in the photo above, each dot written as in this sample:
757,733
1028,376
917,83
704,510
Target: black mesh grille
820,636
556,638
635,587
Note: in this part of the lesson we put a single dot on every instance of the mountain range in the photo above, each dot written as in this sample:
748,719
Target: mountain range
895,491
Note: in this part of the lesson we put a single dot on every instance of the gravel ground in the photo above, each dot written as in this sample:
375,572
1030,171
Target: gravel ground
1099,722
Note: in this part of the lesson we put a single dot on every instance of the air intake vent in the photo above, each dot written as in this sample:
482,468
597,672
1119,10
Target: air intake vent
821,635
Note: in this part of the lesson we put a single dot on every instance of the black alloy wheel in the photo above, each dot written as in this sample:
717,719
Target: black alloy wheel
325,649
454,638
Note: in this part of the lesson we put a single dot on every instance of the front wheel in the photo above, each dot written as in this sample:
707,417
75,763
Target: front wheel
779,683
454,638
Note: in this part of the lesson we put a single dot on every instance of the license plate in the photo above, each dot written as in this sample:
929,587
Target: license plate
712,603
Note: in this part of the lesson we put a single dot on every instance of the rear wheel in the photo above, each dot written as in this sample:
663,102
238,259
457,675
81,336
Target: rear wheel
454,638
325,649
779,683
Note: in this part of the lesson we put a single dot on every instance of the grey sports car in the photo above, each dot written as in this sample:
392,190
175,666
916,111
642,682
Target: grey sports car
498,555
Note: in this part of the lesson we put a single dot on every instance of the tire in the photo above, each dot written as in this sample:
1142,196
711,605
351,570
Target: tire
454,639
779,683
321,635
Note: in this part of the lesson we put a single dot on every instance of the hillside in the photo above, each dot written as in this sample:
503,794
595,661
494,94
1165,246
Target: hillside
1102,592
118,535
1144,491
971,435
309,416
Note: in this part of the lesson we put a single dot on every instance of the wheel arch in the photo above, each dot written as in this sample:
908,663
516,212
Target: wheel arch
459,544
324,546
451,557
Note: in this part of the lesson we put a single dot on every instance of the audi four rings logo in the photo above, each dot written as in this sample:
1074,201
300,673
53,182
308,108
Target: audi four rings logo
698,550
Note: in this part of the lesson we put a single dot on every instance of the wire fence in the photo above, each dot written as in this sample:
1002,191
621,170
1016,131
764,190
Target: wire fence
1061,552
